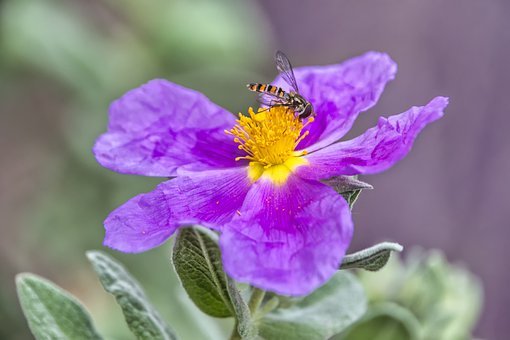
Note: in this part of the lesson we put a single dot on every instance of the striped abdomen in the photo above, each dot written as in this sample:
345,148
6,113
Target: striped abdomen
267,88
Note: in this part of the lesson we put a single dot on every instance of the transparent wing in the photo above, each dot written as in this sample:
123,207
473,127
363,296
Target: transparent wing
268,99
285,68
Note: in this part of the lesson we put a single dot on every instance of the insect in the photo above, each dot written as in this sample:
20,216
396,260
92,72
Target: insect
271,95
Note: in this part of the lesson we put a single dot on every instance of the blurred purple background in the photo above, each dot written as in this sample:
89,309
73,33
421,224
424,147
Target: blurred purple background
449,193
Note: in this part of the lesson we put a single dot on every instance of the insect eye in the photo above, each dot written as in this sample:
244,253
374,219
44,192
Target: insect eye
306,112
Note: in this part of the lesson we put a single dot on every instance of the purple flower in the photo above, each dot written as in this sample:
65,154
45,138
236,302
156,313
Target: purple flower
256,180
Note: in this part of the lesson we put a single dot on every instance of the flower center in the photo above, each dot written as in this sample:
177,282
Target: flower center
269,139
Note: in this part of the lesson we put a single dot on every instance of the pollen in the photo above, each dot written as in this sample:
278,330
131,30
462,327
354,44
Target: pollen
269,138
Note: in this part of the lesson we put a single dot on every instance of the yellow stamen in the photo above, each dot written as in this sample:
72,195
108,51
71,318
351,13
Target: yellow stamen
269,139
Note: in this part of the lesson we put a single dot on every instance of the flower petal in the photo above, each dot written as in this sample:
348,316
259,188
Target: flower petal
339,93
210,198
289,239
160,127
378,148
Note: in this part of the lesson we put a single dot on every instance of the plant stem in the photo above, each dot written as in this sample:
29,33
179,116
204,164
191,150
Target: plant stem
268,306
235,334
255,300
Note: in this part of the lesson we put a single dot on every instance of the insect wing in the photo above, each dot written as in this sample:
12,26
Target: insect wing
285,68
268,99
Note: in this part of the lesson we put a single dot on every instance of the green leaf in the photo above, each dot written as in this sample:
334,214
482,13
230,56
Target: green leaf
371,259
351,197
142,318
348,186
387,321
52,313
197,260
327,311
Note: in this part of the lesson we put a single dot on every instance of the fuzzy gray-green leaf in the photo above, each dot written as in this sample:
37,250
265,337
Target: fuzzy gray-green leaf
197,260
371,259
349,187
327,311
51,312
343,184
142,318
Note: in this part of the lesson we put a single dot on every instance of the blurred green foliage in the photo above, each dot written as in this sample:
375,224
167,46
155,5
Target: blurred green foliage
424,297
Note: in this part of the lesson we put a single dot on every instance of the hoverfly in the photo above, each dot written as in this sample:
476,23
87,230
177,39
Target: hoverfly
271,95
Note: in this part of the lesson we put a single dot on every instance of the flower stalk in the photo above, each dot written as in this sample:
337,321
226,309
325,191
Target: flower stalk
235,333
257,296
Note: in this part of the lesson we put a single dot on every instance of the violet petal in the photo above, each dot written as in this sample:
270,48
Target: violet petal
378,148
210,198
288,239
160,127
